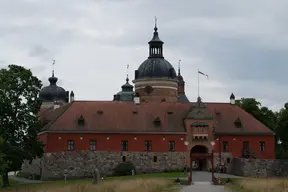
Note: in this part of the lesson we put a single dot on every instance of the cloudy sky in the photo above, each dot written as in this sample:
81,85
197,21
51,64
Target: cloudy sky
241,45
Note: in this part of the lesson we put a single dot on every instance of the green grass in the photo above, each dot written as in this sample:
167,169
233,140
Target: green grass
12,183
169,175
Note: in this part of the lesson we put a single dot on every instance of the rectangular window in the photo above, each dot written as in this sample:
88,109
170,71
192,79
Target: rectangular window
124,145
93,145
262,145
71,146
225,146
148,145
171,146
246,145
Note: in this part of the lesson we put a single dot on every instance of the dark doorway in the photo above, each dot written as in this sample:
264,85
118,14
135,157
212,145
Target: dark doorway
200,161
199,149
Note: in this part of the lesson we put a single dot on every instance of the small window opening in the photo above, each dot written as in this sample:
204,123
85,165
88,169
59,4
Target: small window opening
81,120
123,159
134,112
155,159
170,112
228,160
238,123
100,112
157,122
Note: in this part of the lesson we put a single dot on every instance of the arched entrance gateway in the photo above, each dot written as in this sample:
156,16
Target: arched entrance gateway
199,162
200,157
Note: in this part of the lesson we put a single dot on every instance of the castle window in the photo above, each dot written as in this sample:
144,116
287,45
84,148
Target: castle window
148,90
157,122
225,146
228,160
124,145
148,145
155,159
71,146
81,120
123,159
262,145
238,123
92,145
171,146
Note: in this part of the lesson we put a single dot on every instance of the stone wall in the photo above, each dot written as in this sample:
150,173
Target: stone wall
80,164
260,167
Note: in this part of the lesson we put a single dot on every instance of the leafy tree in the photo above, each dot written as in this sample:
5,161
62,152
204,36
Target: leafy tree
3,162
282,132
19,125
263,114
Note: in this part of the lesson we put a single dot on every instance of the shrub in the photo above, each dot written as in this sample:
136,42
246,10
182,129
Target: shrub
124,169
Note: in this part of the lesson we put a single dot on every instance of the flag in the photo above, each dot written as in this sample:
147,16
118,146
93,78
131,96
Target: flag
202,73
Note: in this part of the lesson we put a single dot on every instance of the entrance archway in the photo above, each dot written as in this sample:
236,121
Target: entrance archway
199,154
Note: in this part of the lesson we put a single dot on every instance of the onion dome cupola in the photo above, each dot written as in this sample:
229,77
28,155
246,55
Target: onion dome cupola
127,92
156,79
181,87
155,66
52,92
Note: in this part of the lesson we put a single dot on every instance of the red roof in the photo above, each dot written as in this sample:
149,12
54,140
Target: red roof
115,116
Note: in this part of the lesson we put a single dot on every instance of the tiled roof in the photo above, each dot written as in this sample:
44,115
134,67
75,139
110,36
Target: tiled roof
110,116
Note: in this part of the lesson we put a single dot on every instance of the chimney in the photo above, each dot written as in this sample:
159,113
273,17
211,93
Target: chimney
136,99
71,96
232,99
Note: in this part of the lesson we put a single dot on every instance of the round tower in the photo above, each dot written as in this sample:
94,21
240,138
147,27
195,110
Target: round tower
156,79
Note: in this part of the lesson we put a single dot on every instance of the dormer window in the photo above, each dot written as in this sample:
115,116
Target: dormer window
238,123
157,122
81,120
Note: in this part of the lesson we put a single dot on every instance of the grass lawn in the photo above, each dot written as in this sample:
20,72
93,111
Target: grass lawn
12,183
259,185
141,181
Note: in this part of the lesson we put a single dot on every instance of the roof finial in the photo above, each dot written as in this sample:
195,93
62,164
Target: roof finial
155,28
127,78
53,68
179,62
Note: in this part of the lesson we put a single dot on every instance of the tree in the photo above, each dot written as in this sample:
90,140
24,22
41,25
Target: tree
19,124
282,132
3,162
262,114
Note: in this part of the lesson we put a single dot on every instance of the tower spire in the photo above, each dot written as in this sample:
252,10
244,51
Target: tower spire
53,68
127,78
155,45
179,62
155,28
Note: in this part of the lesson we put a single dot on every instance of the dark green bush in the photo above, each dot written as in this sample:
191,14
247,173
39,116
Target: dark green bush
124,169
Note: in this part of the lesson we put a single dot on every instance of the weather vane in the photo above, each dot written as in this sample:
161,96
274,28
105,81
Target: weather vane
155,21
127,69
179,62
53,68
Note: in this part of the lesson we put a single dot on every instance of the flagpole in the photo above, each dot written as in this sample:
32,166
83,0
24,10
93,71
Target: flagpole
198,82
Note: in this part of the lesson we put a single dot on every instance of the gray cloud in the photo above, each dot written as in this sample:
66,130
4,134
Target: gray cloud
242,45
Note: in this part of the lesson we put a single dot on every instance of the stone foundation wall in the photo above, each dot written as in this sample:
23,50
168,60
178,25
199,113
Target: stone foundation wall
80,164
260,167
